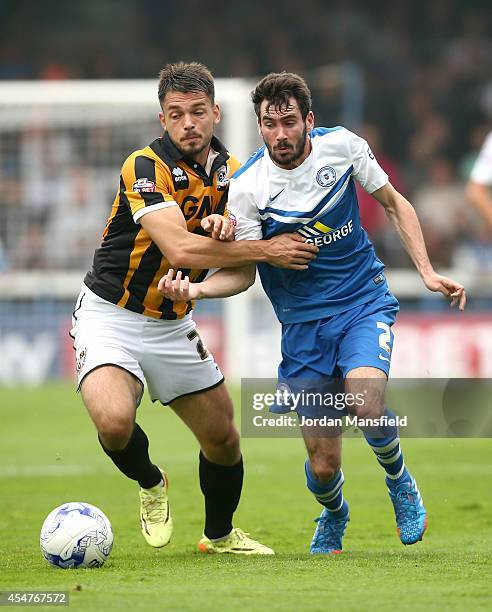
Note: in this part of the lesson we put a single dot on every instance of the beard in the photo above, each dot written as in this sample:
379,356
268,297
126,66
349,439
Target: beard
292,154
192,147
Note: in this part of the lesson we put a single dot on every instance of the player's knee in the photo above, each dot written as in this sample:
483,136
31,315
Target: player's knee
115,432
372,390
224,446
229,444
325,469
370,410
227,438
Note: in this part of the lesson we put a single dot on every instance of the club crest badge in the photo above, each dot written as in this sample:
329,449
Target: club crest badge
326,177
80,359
222,178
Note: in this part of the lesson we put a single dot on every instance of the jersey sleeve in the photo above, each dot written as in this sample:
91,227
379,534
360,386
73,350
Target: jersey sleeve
144,187
482,169
243,212
367,171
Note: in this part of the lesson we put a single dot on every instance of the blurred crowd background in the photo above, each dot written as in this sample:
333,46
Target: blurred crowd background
426,70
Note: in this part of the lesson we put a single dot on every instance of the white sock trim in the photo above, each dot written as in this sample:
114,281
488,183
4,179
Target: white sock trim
386,449
390,460
396,476
336,509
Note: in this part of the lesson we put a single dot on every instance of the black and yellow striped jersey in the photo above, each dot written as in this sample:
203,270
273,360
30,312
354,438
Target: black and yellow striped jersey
128,264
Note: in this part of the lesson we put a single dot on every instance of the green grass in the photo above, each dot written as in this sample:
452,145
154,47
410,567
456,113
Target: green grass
49,454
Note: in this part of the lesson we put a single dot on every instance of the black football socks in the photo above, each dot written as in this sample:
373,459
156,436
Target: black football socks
221,486
134,460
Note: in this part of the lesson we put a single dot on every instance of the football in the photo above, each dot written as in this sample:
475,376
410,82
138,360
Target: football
76,534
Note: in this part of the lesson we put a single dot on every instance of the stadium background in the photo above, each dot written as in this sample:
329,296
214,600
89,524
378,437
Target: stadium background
415,80
77,94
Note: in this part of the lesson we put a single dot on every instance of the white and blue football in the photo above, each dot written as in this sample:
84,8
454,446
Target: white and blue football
76,534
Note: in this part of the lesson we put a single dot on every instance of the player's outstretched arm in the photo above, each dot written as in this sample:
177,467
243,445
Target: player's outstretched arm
403,216
183,249
223,283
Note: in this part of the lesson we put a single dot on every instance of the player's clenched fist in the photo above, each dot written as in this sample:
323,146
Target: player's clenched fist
180,289
290,251
219,227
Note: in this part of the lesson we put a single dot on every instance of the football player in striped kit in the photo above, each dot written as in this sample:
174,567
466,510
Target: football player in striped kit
170,210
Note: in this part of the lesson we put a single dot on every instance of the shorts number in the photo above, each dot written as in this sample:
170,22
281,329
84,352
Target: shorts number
384,337
200,348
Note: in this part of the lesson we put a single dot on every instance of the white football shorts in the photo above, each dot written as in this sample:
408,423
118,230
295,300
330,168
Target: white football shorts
168,355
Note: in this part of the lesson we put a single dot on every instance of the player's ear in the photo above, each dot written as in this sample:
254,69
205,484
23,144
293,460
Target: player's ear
217,113
162,120
310,121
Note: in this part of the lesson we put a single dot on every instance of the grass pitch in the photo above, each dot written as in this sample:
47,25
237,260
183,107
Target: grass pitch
49,455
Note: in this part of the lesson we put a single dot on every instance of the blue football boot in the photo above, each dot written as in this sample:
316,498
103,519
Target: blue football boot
329,532
411,516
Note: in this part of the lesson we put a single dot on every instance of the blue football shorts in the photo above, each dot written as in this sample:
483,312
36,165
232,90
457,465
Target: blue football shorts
318,355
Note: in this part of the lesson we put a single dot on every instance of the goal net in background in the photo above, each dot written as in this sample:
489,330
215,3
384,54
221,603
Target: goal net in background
62,145
61,149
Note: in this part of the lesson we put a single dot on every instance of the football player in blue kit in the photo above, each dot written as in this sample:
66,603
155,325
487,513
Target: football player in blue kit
337,315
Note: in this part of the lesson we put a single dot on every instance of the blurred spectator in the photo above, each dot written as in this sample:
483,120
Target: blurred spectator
476,139
425,84
29,251
4,261
76,228
372,214
440,206
373,217
480,184
44,156
475,253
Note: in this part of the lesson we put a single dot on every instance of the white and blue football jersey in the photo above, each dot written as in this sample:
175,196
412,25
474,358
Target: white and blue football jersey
317,200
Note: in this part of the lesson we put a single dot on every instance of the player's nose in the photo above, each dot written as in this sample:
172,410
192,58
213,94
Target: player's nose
188,121
280,135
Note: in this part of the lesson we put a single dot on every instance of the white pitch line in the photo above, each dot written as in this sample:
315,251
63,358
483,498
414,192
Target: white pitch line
29,471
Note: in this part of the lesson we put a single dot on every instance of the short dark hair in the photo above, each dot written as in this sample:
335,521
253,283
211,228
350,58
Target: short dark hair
186,77
277,88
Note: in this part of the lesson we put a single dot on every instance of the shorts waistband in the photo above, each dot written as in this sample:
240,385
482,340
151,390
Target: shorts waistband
98,299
